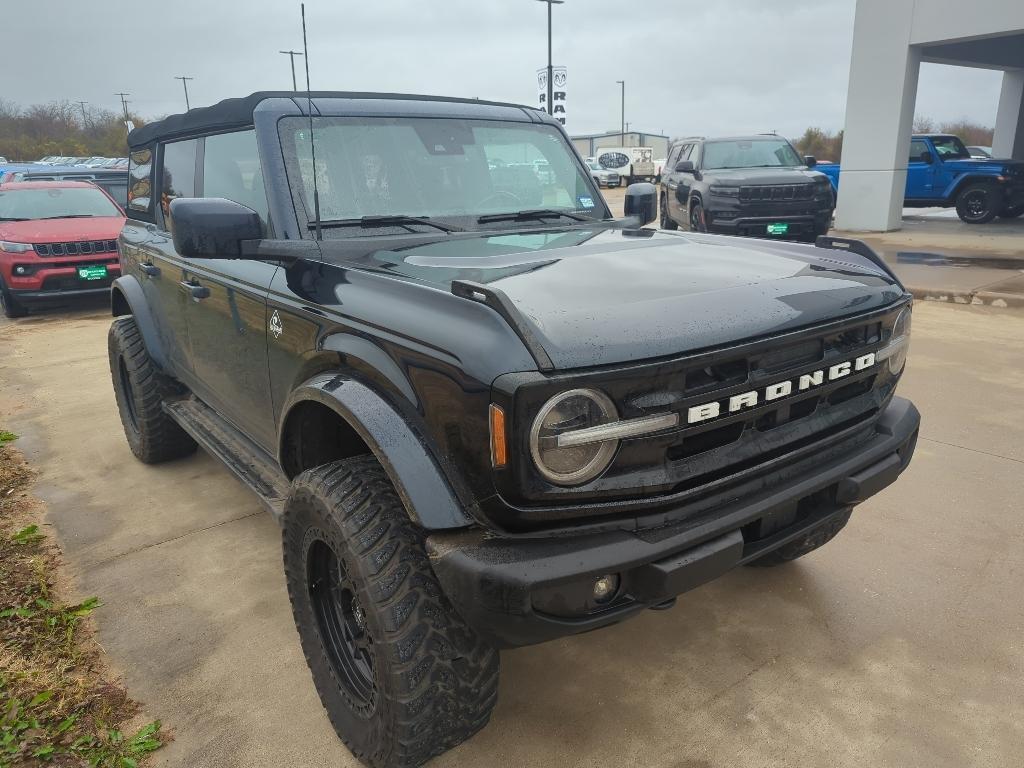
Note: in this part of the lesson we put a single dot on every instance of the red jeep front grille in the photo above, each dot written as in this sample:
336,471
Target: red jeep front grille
76,248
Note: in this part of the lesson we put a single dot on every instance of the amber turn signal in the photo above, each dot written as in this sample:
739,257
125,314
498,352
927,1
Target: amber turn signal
499,450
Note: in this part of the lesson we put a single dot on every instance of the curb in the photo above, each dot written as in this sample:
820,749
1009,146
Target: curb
974,297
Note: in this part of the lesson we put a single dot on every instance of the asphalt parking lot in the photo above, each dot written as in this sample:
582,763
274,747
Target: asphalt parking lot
899,644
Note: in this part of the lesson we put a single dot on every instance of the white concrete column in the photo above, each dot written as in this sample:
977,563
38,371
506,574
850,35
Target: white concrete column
1008,140
879,117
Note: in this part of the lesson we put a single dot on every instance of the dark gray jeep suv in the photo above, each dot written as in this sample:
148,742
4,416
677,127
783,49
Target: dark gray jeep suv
484,412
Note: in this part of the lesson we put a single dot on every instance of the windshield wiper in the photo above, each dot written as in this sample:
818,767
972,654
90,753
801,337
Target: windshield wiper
5,218
397,220
69,216
530,215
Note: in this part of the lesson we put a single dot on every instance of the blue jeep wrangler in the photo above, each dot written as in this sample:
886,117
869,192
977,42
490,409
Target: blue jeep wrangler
941,173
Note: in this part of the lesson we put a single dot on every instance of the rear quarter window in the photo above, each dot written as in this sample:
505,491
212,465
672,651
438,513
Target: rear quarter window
140,185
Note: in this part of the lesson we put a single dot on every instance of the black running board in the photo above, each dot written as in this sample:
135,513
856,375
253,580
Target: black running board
245,459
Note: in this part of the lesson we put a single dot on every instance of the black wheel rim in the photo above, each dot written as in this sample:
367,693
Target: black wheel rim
976,203
695,218
342,624
664,215
129,394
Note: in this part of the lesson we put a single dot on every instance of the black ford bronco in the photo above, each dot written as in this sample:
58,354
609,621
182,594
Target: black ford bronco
747,185
485,412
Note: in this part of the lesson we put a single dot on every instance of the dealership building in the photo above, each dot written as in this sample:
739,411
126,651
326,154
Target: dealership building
891,40
588,145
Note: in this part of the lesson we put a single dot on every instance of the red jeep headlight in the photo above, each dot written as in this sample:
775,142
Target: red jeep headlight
9,247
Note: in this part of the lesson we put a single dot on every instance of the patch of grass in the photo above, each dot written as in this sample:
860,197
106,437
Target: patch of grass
7,437
58,706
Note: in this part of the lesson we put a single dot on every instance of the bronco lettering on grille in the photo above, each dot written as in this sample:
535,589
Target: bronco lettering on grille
706,411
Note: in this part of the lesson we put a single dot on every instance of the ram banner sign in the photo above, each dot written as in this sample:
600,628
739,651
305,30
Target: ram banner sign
558,91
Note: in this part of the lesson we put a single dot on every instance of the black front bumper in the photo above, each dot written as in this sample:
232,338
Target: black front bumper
799,225
522,590
56,295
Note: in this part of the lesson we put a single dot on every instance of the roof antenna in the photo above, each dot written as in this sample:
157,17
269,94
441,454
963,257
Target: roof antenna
309,109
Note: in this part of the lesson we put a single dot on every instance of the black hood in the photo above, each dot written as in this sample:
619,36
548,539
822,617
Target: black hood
740,176
597,296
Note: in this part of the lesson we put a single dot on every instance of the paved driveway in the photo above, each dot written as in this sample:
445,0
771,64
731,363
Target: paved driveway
899,644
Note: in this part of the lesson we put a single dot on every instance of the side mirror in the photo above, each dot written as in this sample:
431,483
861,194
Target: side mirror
684,166
810,161
212,227
642,202
926,157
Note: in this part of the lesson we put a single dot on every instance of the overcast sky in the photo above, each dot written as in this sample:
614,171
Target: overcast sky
725,66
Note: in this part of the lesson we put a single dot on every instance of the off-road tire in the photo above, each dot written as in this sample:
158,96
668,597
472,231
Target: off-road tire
140,389
435,681
800,547
978,203
667,222
11,306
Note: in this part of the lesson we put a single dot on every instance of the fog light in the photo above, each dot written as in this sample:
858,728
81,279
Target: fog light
20,270
605,587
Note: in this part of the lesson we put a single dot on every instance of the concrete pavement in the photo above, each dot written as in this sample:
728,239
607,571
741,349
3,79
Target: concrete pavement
901,643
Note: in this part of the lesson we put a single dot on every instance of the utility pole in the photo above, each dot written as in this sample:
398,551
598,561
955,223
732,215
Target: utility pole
184,84
551,84
622,128
124,104
292,55
82,105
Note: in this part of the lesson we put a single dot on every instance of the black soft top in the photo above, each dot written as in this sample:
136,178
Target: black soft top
237,113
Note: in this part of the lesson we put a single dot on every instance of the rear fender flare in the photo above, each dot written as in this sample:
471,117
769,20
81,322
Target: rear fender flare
399,446
127,297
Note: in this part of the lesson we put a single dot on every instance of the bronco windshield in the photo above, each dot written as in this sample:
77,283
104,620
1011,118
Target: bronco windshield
447,169
768,152
54,203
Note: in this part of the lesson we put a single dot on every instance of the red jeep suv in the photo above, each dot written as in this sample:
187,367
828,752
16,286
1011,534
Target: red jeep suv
57,239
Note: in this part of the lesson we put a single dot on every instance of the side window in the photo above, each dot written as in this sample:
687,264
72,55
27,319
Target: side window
140,184
917,149
177,175
231,169
673,158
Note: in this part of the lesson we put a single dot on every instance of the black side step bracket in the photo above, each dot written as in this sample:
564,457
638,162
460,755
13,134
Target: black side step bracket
245,459
500,303
860,248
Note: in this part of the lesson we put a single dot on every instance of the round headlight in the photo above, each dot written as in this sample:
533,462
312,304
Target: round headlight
899,342
570,411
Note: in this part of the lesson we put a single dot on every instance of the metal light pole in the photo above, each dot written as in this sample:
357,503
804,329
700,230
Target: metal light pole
184,84
622,128
292,55
551,85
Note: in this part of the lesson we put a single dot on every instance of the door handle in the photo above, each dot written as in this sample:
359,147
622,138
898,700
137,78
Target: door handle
149,270
195,290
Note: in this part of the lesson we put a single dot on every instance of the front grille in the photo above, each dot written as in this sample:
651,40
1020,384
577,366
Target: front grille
776,192
76,248
744,439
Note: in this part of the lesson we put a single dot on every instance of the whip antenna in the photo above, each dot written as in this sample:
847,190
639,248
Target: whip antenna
309,110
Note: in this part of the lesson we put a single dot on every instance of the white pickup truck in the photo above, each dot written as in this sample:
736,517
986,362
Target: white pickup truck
631,163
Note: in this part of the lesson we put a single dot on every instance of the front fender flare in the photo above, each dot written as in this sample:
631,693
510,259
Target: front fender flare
422,485
127,290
